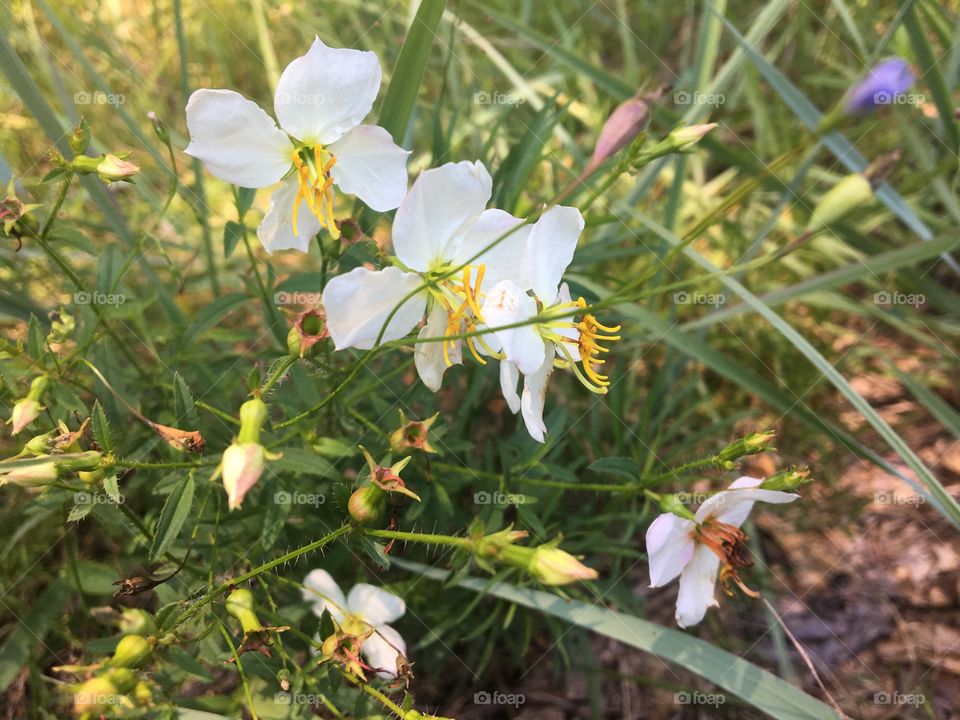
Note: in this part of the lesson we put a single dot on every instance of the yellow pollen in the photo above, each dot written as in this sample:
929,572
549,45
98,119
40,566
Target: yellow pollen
315,187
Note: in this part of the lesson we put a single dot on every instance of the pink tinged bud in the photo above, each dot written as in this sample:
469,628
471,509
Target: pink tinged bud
624,124
242,466
114,169
686,137
24,413
553,566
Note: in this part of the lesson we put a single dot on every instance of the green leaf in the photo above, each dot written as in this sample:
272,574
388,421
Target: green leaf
31,630
511,177
304,462
173,516
101,428
35,338
112,488
211,315
232,234
756,686
79,511
622,466
183,404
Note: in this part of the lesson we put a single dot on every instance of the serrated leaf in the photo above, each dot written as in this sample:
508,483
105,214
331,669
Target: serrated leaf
622,466
112,488
79,512
183,404
173,516
101,428
304,462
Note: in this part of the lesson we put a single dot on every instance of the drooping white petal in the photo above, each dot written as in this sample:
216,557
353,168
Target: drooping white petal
533,398
371,166
236,140
732,506
697,583
486,242
325,93
507,303
358,304
670,547
275,231
374,604
509,377
433,215
381,649
553,240
428,357
322,590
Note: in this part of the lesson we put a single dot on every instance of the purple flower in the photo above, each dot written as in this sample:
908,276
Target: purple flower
881,86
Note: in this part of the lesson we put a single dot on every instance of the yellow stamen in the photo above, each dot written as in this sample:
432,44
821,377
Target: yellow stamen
315,187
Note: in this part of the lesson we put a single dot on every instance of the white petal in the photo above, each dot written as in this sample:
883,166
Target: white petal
380,650
236,140
276,229
325,93
507,303
732,506
533,397
359,302
573,346
428,357
374,605
509,377
433,215
697,583
553,240
322,590
371,166
670,547
507,258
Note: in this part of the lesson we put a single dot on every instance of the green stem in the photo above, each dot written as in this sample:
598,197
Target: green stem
61,196
278,373
429,538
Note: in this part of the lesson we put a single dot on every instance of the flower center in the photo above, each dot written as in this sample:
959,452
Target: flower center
587,335
461,301
313,166
729,543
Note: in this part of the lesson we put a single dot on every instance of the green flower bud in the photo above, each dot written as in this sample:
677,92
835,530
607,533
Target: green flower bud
850,193
749,445
553,566
96,695
253,413
30,476
131,651
787,480
134,621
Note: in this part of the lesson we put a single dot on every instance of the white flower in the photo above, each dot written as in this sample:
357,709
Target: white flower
366,607
321,99
696,550
534,349
448,244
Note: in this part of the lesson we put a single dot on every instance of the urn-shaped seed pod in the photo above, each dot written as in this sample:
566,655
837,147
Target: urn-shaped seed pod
240,605
131,651
96,695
